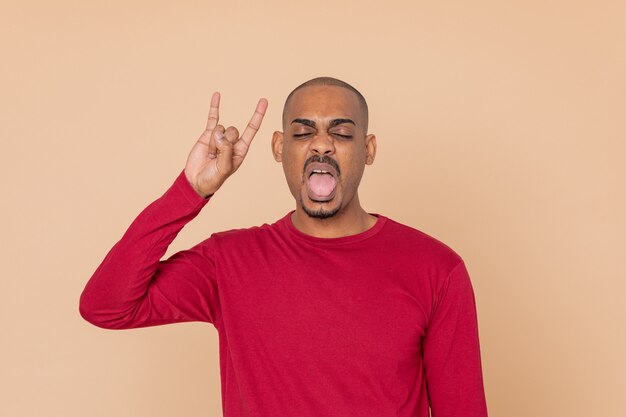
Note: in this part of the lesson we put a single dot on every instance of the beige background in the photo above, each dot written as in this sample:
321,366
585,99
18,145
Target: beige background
501,132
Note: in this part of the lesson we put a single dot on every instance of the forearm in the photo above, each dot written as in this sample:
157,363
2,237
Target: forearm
113,294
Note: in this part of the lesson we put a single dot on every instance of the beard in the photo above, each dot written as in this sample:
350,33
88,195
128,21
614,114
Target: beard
320,213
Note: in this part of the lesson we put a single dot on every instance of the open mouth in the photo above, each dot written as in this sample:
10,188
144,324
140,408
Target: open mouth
321,181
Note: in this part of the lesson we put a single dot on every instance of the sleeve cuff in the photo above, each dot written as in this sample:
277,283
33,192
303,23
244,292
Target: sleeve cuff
182,184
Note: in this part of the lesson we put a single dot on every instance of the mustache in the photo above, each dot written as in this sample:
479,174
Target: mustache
324,160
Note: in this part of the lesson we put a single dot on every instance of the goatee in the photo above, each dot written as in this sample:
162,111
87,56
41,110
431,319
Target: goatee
319,213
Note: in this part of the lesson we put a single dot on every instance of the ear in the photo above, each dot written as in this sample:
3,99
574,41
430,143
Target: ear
277,146
370,149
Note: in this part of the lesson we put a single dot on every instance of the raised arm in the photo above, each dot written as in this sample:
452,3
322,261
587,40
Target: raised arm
132,287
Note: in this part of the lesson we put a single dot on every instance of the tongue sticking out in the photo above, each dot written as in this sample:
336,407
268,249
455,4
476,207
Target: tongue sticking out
321,185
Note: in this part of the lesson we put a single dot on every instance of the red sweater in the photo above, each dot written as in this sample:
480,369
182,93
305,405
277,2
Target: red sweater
378,324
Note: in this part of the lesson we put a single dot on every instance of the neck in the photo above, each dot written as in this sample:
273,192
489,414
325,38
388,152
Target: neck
350,220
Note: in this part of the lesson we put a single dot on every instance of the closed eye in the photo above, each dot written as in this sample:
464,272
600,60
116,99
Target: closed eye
343,136
299,135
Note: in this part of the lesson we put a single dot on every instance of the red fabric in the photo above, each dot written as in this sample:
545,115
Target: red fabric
378,324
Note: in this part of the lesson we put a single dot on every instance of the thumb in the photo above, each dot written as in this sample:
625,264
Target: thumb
224,161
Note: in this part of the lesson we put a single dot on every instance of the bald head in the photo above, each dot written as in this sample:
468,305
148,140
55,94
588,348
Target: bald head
329,81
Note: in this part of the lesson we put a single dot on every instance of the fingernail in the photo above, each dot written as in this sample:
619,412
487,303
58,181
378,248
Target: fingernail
219,135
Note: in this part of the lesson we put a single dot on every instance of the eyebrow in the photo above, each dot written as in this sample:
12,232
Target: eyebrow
336,122
332,123
306,122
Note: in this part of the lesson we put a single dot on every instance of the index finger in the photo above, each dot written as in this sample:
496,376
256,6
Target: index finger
255,122
214,111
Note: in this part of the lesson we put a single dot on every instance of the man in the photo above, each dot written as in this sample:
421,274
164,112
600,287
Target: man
330,310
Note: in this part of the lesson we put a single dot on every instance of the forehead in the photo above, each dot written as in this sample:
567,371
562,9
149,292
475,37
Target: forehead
323,101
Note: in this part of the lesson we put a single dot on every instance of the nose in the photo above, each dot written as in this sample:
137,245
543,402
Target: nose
323,144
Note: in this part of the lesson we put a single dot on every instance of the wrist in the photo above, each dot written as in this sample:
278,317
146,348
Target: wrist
200,193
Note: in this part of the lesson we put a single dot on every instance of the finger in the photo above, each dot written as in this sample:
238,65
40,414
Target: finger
217,133
232,134
224,163
255,122
214,111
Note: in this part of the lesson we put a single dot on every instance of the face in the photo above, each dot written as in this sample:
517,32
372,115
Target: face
324,148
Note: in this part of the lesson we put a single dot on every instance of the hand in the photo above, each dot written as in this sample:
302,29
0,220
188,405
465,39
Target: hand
219,152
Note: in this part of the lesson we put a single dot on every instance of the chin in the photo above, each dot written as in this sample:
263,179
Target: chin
321,210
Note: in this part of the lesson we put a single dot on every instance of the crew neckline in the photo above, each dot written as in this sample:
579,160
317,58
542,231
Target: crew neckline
330,241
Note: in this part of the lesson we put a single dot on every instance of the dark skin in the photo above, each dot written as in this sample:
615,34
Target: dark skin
219,152
319,120
326,120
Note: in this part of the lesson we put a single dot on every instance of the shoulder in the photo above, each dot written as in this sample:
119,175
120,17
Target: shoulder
421,245
245,235
240,234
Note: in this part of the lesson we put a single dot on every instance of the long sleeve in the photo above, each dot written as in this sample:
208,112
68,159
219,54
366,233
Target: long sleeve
133,288
451,351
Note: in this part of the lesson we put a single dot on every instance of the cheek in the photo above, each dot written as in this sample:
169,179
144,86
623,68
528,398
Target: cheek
293,164
354,166
293,173
356,172
290,172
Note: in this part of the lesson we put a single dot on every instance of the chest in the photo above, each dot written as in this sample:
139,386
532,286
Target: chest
352,307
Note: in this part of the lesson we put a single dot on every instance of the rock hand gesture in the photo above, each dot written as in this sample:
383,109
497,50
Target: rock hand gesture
219,152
